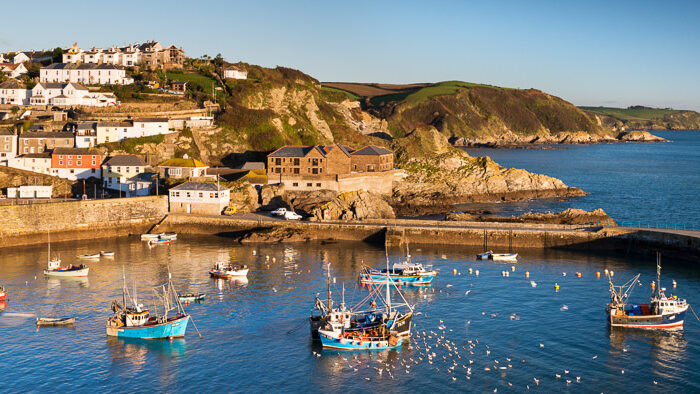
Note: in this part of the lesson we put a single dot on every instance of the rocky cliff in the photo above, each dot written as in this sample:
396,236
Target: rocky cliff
569,216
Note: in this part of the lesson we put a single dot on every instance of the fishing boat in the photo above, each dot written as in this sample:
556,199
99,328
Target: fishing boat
148,237
168,236
405,273
106,254
60,321
484,256
3,293
225,270
191,297
503,256
89,256
159,242
136,321
55,269
662,312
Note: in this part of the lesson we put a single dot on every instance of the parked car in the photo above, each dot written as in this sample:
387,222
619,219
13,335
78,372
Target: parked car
229,211
279,212
291,215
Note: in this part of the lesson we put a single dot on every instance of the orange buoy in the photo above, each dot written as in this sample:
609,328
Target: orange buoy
653,285
512,268
268,266
527,274
578,274
597,274
454,271
470,270
556,287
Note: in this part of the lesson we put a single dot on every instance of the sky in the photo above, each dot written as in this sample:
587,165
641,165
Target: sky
610,53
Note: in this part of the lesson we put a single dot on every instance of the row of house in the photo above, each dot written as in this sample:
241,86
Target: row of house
17,58
87,73
15,92
13,70
150,54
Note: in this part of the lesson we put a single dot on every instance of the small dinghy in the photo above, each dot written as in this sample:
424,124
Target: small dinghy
504,256
57,321
89,256
168,236
484,256
191,297
3,293
148,237
159,242
107,254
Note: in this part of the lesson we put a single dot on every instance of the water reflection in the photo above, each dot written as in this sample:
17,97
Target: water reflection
3,305
54,282
138,351
228,284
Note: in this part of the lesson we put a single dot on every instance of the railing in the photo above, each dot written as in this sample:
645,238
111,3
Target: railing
650,225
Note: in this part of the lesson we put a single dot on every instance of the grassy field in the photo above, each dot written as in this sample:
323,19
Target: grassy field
350,95
641,113
193,79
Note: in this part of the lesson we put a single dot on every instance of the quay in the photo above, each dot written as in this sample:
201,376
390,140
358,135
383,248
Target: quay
92,219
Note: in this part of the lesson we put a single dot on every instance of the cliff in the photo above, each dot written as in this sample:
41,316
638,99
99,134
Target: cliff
645,118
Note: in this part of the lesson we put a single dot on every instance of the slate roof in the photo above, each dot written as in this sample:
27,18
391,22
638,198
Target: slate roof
253,165
76,151
125,160
12,84
58,85
124,123
42,155
182,163
150,120
47,134
143,177
295,151
198,186
372,150
82,66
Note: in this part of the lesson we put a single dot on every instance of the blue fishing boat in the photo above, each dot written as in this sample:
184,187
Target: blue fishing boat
137,322
406,273
360,340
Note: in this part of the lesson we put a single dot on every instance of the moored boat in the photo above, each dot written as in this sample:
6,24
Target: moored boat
159,242
191,297
168,236
503,256
148,237
106,254
662,312
137,322
3,293
55,269
60,321
225,270
484,256
406,273
89,256
360,340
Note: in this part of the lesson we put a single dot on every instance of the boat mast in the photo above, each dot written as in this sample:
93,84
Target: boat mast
388,283
124,288
328,288
658,274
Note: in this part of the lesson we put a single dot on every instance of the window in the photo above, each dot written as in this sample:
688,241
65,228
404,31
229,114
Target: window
296,161
177,194
138,169
211,195
309,184
72,171
60,162
314,170
70,162
94,163
318,185
296,170
277,170
78,163
188,195
119,169
93,170
278,161
295,184
201,195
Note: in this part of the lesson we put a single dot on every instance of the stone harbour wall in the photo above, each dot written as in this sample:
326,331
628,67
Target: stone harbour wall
72,220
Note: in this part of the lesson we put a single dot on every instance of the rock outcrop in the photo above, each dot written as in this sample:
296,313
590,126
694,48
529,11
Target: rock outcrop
439,175
244,197
640,136
355,205
570,216
12,177
275,235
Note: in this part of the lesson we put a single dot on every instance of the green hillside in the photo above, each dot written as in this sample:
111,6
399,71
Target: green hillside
640,117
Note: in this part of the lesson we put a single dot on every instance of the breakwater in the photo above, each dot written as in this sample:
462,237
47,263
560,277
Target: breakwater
73,220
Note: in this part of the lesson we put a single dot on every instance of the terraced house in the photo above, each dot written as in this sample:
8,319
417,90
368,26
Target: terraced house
42,141
333,167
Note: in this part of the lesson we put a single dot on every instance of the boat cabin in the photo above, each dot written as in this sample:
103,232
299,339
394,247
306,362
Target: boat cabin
137,316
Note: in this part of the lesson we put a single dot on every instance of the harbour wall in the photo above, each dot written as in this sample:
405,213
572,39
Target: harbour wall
73,220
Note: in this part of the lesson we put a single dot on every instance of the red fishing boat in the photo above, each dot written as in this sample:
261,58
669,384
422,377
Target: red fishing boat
3,293
159,242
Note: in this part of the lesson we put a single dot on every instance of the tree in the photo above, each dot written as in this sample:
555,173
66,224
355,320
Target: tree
218,60
57,55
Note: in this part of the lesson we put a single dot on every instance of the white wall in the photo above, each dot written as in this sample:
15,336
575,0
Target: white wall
145,129
193,196
76,173
30,191
42,165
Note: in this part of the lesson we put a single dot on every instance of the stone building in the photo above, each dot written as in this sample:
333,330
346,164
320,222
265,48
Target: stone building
37,142
121,173
182,168
8,145
198,198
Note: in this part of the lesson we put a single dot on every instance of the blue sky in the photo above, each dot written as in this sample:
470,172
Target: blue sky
613,53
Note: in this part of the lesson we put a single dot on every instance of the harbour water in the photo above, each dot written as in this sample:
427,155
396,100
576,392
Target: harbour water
641,182
256,338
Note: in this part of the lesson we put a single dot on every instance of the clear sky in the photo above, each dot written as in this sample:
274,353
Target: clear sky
613,53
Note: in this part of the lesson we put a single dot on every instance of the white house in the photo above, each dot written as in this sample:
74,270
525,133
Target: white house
198,198
114,131
8,145
14,92
13,70
88,73
2,58
20,57
145,127
127,173
35,162
69,94
30,191
235,73
85,134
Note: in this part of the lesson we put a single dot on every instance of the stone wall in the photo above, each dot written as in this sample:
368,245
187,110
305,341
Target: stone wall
29,224
375,182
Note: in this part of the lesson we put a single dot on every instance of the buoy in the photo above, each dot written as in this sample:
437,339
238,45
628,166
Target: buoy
674,283
268,266
578,274
308,271
563,274
454,271
470,270
476,272
606,271
556,287
612,273
527,274
653,285
255,252
274,259
507,273
597,274
512,268
267,257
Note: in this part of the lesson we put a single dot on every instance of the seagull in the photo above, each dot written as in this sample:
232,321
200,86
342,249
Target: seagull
541,344
557,376
274,290
594,357
537,381
566,371
578,379
467,293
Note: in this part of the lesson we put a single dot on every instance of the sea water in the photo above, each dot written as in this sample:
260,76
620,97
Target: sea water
256,335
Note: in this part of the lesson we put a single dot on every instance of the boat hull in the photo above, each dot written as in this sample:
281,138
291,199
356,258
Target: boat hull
504,257
377,277
672,321
172,329
47,322
229,274
72,273
192,298
3,295
331,340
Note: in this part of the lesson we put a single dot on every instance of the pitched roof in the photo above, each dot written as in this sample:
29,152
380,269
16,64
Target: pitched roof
295,151
253,165
125,160
82,66
372,150
179,162
124,123
199,186
342,148
76,151
42,155
12,84
6,131
47,134
143,177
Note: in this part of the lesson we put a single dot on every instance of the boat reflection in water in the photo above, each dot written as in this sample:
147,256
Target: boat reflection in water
3,305
668,349
222,284
137,351
53,282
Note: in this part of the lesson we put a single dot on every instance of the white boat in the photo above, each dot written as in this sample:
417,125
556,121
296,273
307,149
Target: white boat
484,256
89,256
107,254
55,269
503,256
168,236
58,321
148,237
225,270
